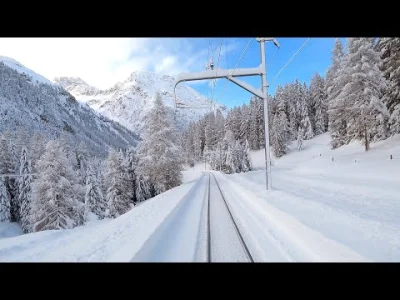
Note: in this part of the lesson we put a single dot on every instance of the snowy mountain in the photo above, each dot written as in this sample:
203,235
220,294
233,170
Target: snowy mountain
129,101
77,86
34,103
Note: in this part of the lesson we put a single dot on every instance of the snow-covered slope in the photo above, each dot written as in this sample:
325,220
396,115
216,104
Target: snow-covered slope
348,195
108,240
35,78
127,102
76,86
347,209
30,101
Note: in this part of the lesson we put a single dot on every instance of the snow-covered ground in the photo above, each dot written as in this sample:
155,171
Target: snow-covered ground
353,200
345,209
115,240
193,173
8,230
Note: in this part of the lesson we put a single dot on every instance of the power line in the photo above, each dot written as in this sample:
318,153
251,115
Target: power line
226,53
298,51
240,58
208,64
216,72
276,51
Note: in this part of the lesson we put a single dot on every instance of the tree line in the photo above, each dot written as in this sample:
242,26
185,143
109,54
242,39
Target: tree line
61,186
358,99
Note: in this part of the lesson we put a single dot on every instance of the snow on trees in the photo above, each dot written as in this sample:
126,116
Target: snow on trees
159,155
5,202
280,131
210,131
54,203
305,122
363,93
94,199
245,157
319,102
81,158
130,164
117,197
219,125
230,155
335,81
188,145
25,191
7,167
390,54
36,147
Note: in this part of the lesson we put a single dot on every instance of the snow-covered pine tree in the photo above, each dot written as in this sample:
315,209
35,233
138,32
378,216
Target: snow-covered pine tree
198,140
202,135
260,121
305,122
159,156
5,202
130,164
21,140
363,92
298,97
280,131
233,121
94,199
300,135
280,134
253,126
390,54
207,154
188,145
37,145
219,125
118,201
336,78
244,123
310,105
290,92
25,191
210,131
144,188
319,101
7,167
54,205
81,158
237,157
229,142
246,158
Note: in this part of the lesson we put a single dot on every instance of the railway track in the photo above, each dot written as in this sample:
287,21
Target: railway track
225,242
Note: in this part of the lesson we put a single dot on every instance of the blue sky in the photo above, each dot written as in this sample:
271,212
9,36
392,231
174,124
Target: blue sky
314,57
102,62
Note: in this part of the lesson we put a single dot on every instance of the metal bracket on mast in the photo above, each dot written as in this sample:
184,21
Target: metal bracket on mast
230,74
246,86
222,73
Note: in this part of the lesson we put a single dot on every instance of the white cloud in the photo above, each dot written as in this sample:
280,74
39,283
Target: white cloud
104,61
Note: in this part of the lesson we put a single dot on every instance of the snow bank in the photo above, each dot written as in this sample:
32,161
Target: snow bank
353,200
8,230
110,240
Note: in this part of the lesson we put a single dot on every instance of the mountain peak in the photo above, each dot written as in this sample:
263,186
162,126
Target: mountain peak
76,85
128,101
